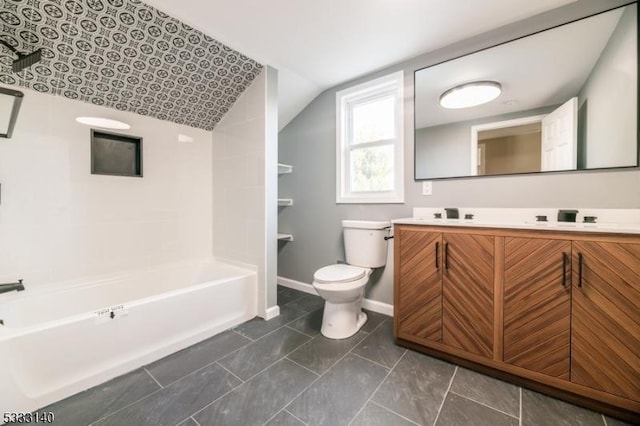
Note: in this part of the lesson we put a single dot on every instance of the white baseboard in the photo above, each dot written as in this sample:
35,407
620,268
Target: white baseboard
372,305
272,312
379,307
297,285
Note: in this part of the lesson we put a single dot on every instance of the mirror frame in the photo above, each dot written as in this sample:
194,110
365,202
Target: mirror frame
595,169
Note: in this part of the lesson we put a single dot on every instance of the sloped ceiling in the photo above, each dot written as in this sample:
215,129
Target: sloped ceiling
125,55
318,44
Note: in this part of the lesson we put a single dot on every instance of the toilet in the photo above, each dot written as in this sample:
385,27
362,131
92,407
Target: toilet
342,285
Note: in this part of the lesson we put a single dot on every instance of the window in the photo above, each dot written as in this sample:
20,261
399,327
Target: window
369,142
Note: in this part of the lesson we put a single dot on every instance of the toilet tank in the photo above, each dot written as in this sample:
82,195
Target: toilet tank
364,242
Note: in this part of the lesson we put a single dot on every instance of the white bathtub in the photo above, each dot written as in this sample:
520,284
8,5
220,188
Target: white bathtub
66,338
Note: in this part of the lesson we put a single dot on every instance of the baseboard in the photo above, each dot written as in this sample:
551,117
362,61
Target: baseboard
372,305
379,307
297,285
272,312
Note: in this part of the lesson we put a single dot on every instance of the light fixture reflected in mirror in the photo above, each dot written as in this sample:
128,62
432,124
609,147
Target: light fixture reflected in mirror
9,108
470,94
104,123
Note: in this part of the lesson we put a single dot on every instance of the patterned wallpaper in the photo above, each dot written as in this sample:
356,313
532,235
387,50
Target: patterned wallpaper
125,55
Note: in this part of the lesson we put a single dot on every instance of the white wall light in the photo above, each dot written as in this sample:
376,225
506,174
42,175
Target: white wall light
184,138
104,123
470,94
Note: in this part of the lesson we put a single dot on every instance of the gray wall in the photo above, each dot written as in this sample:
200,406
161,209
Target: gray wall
308,143
611,93
443,151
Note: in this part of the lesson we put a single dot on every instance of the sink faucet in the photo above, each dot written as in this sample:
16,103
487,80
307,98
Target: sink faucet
452,213
11,286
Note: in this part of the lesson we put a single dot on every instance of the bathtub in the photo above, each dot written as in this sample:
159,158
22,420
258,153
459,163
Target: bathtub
62,339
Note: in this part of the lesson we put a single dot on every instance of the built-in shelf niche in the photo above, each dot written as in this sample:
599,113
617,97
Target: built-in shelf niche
115,154
284,169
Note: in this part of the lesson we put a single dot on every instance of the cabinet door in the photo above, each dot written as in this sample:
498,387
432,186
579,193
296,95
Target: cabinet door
468,292
605,326
419,292
537,305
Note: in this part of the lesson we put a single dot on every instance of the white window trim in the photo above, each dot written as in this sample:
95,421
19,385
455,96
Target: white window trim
392,83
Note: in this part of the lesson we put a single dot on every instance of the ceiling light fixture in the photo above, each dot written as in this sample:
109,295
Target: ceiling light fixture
104,123
470,94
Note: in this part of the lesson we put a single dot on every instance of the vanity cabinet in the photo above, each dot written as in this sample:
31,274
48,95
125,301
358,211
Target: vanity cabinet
555,311
419,284
445,289
537,305
605,328
467,293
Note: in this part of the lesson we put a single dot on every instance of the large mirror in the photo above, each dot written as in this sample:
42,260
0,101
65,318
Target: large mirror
567,99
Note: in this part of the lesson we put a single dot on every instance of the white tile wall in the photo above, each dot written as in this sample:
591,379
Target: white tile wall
59,222
239,180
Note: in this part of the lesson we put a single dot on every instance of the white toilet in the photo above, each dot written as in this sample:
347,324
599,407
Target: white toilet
342,285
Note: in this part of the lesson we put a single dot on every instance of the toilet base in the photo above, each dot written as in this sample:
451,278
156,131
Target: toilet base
342,320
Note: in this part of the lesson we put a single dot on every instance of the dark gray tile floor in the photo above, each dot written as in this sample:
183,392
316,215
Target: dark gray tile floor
284,372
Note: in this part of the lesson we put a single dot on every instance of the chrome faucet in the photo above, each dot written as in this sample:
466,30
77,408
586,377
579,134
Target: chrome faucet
11,286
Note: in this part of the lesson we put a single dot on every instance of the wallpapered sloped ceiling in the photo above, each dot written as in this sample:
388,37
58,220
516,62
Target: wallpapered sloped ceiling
126,55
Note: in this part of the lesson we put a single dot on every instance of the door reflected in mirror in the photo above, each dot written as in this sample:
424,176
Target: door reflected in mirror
568,101
505,150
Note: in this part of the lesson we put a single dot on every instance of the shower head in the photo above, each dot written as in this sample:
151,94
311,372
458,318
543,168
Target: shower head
23,61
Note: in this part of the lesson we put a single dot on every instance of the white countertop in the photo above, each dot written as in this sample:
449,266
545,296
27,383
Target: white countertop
549,226
622,221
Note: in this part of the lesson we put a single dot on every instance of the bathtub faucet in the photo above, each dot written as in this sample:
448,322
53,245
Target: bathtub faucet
11,286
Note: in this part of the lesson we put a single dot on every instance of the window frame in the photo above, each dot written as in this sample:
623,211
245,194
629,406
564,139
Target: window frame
391,84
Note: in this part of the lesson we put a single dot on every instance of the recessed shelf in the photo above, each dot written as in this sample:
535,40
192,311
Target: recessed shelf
284,168
115,154
285,237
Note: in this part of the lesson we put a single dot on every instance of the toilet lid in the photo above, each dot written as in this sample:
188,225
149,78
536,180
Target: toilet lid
340,273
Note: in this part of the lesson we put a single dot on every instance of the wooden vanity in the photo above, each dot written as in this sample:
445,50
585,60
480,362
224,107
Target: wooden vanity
556,311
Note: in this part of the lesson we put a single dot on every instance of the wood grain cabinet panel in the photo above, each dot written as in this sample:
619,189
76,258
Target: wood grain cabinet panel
419,292
468,285
605,344
557,311
537,305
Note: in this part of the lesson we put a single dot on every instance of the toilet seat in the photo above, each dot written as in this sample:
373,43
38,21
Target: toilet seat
340,273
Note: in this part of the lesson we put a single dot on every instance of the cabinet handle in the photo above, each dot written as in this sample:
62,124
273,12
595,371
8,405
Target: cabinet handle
580,263
564,269
437,250
446,255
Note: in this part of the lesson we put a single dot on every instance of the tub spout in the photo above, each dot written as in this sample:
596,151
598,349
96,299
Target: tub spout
11,286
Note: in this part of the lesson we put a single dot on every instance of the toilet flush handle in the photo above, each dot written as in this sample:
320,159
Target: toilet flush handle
388,237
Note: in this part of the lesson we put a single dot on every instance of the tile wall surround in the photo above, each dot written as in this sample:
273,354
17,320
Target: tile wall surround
59,222
239,180
125,55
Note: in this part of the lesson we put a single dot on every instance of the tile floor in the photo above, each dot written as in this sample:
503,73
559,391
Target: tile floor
283,372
